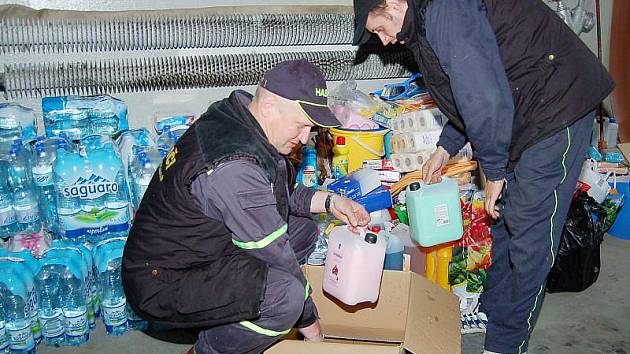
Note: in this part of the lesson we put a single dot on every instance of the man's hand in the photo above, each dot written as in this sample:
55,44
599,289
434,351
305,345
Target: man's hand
493,193
312,333
432,169
350,212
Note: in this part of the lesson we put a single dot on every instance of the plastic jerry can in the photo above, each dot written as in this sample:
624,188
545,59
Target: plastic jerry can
354,265
394,250
435,215
437,264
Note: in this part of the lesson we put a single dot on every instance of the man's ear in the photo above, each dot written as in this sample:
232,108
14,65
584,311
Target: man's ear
394,4
268,105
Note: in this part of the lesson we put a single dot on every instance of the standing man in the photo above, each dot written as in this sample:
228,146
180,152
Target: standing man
522,88
222,227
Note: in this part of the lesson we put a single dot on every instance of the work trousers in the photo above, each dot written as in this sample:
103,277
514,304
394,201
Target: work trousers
281,308
535,201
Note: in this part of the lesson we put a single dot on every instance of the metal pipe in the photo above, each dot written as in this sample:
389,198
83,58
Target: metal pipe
184,72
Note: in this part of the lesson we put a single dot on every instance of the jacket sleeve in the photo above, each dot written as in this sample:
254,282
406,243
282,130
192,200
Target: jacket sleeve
451,139
238,194
465,44
300,200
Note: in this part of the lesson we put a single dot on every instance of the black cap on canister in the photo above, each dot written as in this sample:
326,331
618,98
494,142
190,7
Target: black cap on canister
370,237
414,186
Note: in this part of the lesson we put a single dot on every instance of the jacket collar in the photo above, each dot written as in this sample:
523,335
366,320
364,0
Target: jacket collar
240,100
409,31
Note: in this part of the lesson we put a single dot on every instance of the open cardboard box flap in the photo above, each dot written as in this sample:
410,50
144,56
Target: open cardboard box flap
411,313
625,150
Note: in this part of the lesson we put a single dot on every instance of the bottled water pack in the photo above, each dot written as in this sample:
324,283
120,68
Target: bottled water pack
79,117
92,196
16,122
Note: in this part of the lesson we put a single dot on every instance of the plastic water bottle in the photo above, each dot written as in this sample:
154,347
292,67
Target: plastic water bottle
134,321
42,170
142,179
10,128
103,122
28,267
119,201
68,206
108,259
75,124
24,198
74,305
177,132
92,204
166,140
113,300
12,289
51,318
82,256
91,286
138,184
8,221
4,337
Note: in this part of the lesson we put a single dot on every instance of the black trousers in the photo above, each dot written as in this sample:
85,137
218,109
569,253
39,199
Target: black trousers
280,310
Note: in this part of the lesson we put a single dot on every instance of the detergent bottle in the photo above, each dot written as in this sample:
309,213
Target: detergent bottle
340,158
307,175
435,215
354,265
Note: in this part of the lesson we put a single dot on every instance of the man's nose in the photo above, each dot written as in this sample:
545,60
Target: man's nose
384,38
304,134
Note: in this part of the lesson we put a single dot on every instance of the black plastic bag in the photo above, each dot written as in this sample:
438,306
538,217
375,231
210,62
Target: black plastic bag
578,263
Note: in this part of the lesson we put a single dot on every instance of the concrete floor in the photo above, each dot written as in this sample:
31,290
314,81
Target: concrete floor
595,321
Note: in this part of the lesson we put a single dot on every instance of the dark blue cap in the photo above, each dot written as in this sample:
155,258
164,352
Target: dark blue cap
301,81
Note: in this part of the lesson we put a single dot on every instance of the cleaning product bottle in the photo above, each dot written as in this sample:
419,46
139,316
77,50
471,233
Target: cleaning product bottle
354,265
444,255
393,251
340,158
435,214
431,263
308,172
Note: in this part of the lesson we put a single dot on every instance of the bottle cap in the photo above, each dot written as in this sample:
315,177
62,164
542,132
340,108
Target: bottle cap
341,140
370,238
414,186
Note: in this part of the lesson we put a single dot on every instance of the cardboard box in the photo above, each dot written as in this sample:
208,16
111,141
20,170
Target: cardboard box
389,176
625,150
412,313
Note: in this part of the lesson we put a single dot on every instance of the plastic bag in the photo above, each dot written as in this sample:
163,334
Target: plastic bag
578,262
36,242
353,108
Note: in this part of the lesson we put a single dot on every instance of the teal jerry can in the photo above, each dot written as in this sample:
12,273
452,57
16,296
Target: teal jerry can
435,214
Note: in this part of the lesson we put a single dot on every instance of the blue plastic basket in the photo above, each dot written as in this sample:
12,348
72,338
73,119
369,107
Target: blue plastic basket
621,227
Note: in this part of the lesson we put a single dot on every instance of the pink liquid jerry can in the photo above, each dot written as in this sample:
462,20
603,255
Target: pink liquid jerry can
354,265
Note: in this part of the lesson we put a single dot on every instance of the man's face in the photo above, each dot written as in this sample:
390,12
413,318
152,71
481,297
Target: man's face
387,22
288,127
